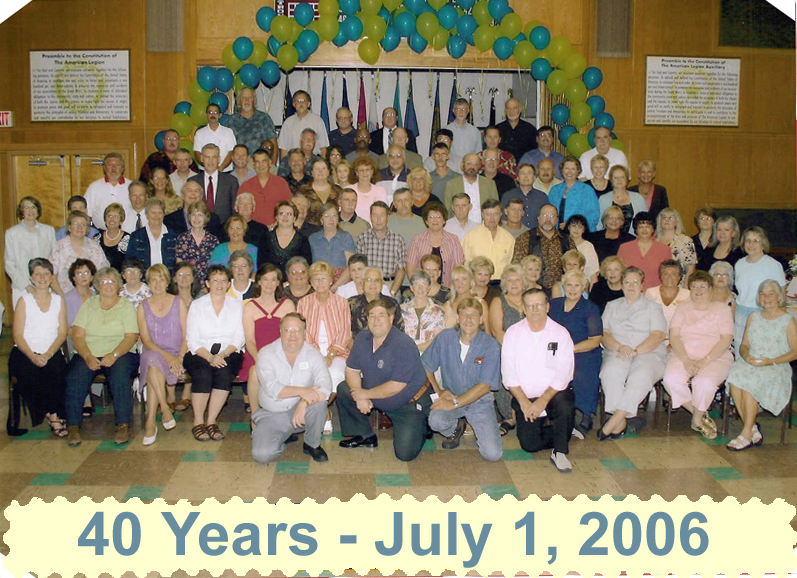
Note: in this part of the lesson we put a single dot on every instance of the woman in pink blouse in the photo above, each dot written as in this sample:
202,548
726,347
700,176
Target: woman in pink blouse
645,252
435,241
366,172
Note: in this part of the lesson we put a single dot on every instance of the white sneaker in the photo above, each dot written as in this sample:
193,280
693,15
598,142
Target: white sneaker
577,434
561,462
328,426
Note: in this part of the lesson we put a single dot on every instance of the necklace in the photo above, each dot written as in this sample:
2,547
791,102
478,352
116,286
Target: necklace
113,239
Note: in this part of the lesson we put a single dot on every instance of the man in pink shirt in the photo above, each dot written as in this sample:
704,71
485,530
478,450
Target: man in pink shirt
267,189
537,361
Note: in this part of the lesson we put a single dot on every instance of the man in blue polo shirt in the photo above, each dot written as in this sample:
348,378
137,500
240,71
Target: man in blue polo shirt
470,361
384,371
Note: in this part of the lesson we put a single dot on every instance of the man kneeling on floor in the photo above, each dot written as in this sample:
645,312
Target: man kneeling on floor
294,386
537,362
384,371
470,362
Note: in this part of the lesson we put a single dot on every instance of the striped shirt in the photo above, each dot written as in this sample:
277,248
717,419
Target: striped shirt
450,251
336,316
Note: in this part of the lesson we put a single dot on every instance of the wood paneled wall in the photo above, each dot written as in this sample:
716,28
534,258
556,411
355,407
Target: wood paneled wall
752,165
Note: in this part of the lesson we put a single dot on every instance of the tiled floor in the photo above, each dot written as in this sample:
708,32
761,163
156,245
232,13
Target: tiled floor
177,466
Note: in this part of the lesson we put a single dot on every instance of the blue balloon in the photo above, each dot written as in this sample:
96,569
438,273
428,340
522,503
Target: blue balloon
242,48
591,137
391,40
519,37
273,46
270,73
566,132
466,26
206,77
539,37
308,40
385,15
349,7
604,119
159,140
540,69
597,104
417,42
224,79
353,27
405,24
502,47
448,16
224,116
183,107
456,46
559,115
341,39
303,13
466,4
426,8
220,99
415,6
498,8
302,52
264,17
250,75
592,78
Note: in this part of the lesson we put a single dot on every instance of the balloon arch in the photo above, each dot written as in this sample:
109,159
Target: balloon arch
378,25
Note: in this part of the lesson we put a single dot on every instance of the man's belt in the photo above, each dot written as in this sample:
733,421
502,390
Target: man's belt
420,393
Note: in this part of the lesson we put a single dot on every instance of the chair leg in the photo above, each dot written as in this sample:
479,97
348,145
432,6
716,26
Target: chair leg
657,388
726,410
669,410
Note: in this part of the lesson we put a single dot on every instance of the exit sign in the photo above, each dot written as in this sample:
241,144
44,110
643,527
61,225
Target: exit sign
6,118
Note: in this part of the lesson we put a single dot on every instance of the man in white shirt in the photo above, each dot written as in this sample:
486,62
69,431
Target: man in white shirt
110,189
357,265
135,215
182,162
545,176
219,135
467,138
453,162
291,392
292,128
603,146
460,224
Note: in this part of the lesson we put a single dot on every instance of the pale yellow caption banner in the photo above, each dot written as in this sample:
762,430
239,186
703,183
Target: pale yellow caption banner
507,536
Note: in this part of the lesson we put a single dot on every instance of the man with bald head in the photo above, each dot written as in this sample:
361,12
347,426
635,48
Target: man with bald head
546,171
164,159
362,143
478,187
382,138
603,146
548,243
250,126
517,135
400,139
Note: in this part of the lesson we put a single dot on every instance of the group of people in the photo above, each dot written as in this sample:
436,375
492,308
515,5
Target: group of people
343,268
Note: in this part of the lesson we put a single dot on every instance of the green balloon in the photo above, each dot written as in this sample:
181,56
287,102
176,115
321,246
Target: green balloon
196,94
558,50
440,39
392,5
259,53
181,123
574,65
287,57
198,116
230,60
580,114
238,84
525,53
369,50
617,144
370,6
188,144
427,25
511,25
576,91
482,14
531,25
327,27
281,28
437,4
484,37
374,27
557,82
295,31
328,8
577,144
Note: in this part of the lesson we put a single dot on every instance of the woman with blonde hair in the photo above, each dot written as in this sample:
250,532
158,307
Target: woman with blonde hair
670,231
419,182
236,228
654,195
462,286
483,271
531,265
160,186
609,285
113,239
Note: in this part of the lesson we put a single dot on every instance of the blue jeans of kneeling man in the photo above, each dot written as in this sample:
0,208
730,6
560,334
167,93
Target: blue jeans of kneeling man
272,429
481,417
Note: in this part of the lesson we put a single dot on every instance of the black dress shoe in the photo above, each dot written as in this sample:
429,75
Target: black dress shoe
360,442
452,442
293,438
602,435
318,454
617,436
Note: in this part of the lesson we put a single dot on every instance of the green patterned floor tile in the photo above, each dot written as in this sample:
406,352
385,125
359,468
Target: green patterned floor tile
239,426
388,480
110,446
35,435
724,473
292,468
50,480
615,464
144,492
717,441
518,456
496,492
429,445
199,456
334,436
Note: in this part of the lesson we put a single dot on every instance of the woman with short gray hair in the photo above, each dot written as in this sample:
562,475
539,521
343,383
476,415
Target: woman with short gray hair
423,318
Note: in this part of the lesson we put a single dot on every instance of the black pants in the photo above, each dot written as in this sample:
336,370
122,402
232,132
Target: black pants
42,388
534,436
204,377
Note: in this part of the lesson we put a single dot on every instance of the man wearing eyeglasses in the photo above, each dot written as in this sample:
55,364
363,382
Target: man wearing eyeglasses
467,138
294,385
537,362
215,133
164,159
382,138
291,131
400,139
343,136
547,242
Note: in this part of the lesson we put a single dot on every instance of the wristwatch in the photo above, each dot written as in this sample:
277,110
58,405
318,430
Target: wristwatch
115,355
455,401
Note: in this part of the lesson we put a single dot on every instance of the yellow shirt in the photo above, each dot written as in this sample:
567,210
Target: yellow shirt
479,242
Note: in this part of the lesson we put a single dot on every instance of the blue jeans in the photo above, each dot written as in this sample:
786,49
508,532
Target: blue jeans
78,382
481,417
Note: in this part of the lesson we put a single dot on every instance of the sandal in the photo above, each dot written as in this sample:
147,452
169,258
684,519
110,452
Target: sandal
757,438
200,433
58,427
88,410
214,432
182,405
739,444
705,431
709,423
505,427
247,407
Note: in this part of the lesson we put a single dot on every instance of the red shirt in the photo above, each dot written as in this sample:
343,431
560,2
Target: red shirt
266,198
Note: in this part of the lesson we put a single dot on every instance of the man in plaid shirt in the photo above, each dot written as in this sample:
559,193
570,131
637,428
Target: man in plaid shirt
384,248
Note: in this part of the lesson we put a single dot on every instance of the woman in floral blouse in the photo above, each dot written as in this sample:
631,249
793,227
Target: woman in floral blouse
423,318
196,246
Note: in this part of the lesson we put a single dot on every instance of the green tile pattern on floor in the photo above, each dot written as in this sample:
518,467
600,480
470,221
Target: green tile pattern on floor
292,467
199,456
50,480
144,492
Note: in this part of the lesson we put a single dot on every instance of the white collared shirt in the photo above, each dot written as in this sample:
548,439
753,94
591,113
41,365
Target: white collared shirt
204,327
215,177
155,254
472,190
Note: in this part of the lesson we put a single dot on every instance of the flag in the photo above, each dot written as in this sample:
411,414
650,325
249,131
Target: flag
324,108
410,120
492,110
396,103
345,92
470,109
452,100
435,116
373,115
362,115
287,105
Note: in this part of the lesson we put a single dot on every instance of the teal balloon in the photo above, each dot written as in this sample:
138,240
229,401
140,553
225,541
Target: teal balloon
405,24
456,46
250,75
385,15
415,6
447,16
308,40
206,77
566,132
604,119
391,40
349,7
498,8
592,77
540,69
503,47
273,46
264,17
303,13
466,26
242,48
221,99
353,27
341,39
466,4
417,42
591,137
270,73
303,54
539,37
559,115
159,140
183,107
224,79
597,104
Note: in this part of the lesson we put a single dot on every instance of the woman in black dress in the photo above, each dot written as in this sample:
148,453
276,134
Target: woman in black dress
283,241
